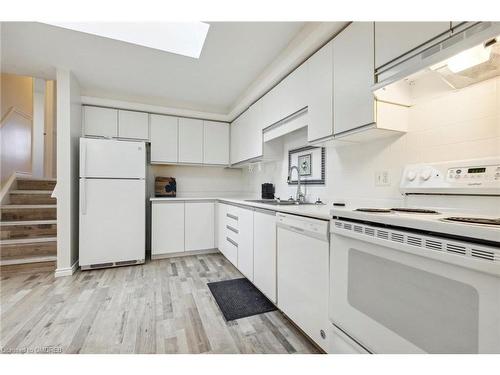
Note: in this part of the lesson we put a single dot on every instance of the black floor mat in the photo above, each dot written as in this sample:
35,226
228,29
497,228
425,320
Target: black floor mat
238,298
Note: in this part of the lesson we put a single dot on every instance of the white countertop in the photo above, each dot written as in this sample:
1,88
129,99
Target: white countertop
425,222
309,210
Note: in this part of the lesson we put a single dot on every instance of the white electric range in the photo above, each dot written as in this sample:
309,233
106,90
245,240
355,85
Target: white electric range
424,278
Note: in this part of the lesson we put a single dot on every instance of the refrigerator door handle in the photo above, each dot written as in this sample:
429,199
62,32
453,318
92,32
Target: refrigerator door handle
83,195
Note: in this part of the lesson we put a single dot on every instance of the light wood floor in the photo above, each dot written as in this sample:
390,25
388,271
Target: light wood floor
163,306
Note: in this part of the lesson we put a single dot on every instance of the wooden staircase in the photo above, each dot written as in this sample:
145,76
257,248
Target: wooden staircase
28,227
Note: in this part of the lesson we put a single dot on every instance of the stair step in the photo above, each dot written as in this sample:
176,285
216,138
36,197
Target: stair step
34,266
28,229
17,212
31,197
27,260
36,184
28,247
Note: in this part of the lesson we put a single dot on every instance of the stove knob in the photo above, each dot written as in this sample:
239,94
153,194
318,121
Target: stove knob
410,176
425,174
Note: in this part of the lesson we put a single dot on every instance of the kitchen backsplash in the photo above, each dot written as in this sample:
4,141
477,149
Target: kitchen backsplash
457,125
193,181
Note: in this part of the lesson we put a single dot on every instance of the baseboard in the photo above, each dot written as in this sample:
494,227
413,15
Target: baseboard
68,271
184,254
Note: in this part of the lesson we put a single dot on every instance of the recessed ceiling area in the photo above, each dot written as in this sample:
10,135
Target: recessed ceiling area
234,55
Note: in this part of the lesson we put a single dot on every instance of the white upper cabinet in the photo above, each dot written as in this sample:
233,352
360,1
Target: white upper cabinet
133,125
246,135
216,143
190,140
394,39
236,129
320,90
164,138
199,227
288,97
252,133
101,122
353,77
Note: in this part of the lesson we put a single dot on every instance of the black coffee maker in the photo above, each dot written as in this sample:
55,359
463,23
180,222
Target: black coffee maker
267,191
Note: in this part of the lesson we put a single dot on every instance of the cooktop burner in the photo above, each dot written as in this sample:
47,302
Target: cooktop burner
473,220
374,210
414,210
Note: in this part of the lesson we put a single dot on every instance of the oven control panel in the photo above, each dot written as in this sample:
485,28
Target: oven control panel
471,174
477,177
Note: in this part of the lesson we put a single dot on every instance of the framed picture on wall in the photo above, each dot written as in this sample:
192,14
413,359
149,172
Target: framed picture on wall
310,161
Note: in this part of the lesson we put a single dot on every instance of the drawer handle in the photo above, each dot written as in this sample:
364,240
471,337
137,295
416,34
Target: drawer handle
232,216
232,229
297,228
231,241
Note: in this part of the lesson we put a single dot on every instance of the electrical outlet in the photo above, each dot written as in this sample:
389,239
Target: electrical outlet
382,178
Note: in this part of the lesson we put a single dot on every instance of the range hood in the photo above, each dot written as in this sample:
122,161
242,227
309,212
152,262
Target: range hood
473,65
467,54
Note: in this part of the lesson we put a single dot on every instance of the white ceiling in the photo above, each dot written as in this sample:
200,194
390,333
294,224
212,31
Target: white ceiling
234,55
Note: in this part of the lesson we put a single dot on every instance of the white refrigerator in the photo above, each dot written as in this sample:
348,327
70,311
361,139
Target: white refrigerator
112,203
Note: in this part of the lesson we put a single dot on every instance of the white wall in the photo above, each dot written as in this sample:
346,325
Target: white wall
68,133
16,91
457,125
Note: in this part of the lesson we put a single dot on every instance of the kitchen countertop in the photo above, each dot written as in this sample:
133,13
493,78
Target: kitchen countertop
309,210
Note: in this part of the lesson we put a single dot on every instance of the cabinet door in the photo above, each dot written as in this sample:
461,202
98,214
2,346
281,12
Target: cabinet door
251,137
236,145
394,39
293,95
245,242
216,143
100,121
133,125
167,227
320,86
190,140
200,228
353,77
264,254
221,227
164,139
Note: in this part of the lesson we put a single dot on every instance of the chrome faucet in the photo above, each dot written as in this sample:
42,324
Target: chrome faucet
299,196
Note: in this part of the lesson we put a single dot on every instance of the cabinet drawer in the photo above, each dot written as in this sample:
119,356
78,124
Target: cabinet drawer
231,250
232,217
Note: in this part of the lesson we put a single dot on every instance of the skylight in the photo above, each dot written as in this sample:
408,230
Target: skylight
182,38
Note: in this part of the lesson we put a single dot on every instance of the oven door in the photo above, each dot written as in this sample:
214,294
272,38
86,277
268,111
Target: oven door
393,297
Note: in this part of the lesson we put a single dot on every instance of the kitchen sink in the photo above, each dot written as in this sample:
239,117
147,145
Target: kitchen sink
275,202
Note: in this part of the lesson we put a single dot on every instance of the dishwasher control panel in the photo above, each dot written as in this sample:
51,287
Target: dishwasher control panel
312,227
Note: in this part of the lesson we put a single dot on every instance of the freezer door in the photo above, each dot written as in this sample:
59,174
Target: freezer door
112,220
106,158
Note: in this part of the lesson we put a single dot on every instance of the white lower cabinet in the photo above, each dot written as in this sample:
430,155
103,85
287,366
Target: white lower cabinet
264,252
199,226
245,242
167,227
178,226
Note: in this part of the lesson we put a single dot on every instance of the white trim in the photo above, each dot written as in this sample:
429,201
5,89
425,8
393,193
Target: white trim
184,254
28,260
27,240
67,271
12,110
154,109
10,185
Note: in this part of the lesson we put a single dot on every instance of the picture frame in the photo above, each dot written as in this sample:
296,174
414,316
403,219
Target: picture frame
311,163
